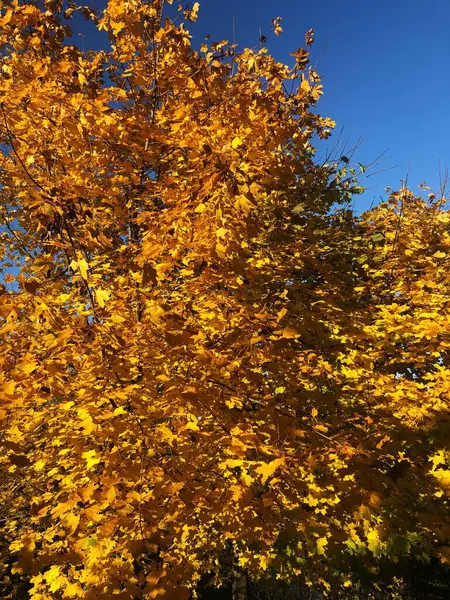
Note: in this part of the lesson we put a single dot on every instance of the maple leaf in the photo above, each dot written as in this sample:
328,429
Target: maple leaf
302,57
267,470
276,24
82,265
321,545
70,522
102,296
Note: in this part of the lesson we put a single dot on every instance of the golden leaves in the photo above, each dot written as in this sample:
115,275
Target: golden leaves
80,265
267,470
276,24
82,78
247,360
321,544
70,522
309,37
111,495
73,590
102,297
91,457
302,57
244,204
64,507
443,478
439,458
117,26
383,441
29,366
192,14
165,434
86,421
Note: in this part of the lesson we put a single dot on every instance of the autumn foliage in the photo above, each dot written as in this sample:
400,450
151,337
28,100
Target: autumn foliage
206,359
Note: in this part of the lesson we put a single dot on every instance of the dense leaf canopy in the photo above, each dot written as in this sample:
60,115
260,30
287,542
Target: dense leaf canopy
203,352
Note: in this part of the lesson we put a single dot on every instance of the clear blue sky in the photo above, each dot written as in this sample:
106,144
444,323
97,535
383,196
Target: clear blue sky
386,72
385,68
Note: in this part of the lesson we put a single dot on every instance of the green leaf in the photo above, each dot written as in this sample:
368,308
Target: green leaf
401,546
298,209
358,189
378,237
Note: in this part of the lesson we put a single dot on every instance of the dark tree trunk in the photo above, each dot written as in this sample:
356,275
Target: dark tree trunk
239,584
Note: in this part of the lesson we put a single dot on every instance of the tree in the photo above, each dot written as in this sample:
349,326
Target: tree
204,362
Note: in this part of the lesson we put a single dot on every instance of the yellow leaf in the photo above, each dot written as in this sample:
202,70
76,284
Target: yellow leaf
73,590
117,27
321,428
192,425
305,85
52,573
165,434
83,266
443,478
70,522
111,495
221,250
244,204
266,470
29,367
231,463
321,543
221,232
373,541
383,440
9,387
246,478
86,421
102,296
91,458
236,142
439,458
289,333
281,314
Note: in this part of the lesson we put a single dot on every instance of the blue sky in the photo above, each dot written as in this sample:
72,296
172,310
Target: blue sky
385,68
